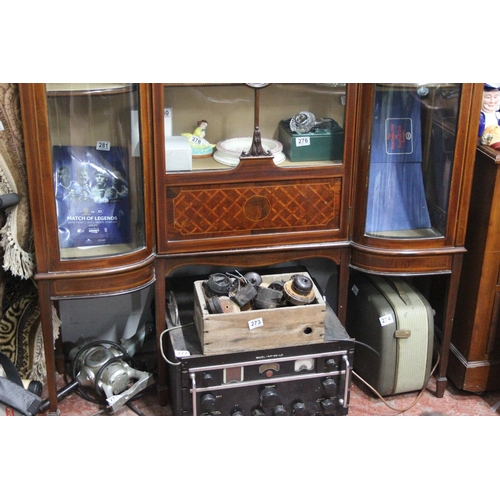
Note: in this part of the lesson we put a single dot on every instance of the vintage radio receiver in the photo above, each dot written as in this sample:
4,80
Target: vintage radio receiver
312,379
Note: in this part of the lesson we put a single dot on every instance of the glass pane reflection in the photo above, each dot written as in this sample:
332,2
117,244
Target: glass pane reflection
411,160
97,168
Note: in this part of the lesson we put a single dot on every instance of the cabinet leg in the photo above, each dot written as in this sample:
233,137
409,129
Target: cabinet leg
343,285
441,383
449,314
160,311
59,350
45,304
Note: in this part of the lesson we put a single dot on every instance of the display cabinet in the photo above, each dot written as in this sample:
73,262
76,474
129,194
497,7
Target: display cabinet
89,167
475,346
410,198
265,196
374,177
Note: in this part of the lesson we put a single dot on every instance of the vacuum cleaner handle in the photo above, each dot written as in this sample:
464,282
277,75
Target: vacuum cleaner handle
62,393
8,200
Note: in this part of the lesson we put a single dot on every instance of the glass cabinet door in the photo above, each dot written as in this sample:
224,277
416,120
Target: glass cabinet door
411,160
97,169
215,123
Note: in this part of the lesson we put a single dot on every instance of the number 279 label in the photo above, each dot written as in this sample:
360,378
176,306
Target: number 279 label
302,141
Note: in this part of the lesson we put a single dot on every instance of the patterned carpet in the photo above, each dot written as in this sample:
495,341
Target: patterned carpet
362,404
20,335
18,326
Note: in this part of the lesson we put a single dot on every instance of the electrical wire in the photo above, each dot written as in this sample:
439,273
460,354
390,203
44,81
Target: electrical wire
161,343
135,409
399,411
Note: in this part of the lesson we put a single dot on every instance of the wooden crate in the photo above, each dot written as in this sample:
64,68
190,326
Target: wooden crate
259,329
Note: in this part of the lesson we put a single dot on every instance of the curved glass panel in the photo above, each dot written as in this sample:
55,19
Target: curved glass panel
207,126
411,159
97,168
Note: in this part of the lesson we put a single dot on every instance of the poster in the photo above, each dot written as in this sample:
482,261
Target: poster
396,191
92,198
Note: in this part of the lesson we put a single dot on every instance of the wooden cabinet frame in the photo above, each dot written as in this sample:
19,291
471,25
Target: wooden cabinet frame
475,346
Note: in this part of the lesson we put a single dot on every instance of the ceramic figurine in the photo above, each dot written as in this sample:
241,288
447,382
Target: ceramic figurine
201,129
200,147
490,114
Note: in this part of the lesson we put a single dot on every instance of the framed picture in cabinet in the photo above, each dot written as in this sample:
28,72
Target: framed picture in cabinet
92,195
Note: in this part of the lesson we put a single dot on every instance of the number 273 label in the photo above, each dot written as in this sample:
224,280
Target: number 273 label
255,323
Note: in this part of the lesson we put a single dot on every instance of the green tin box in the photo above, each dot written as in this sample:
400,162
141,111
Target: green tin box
319,144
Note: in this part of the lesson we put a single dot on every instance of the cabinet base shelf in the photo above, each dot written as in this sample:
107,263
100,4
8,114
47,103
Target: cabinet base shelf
473,376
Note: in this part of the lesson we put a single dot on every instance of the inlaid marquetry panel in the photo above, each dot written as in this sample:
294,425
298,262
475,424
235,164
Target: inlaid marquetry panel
234,210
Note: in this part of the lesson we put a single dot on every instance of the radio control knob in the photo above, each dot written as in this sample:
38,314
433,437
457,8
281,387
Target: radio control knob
330,387
269,397
208,402
331,364
257,412
207,379
279,411
299,409
237,413
328,406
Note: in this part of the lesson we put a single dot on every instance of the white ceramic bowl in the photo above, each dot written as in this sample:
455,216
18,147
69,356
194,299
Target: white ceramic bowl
228,151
